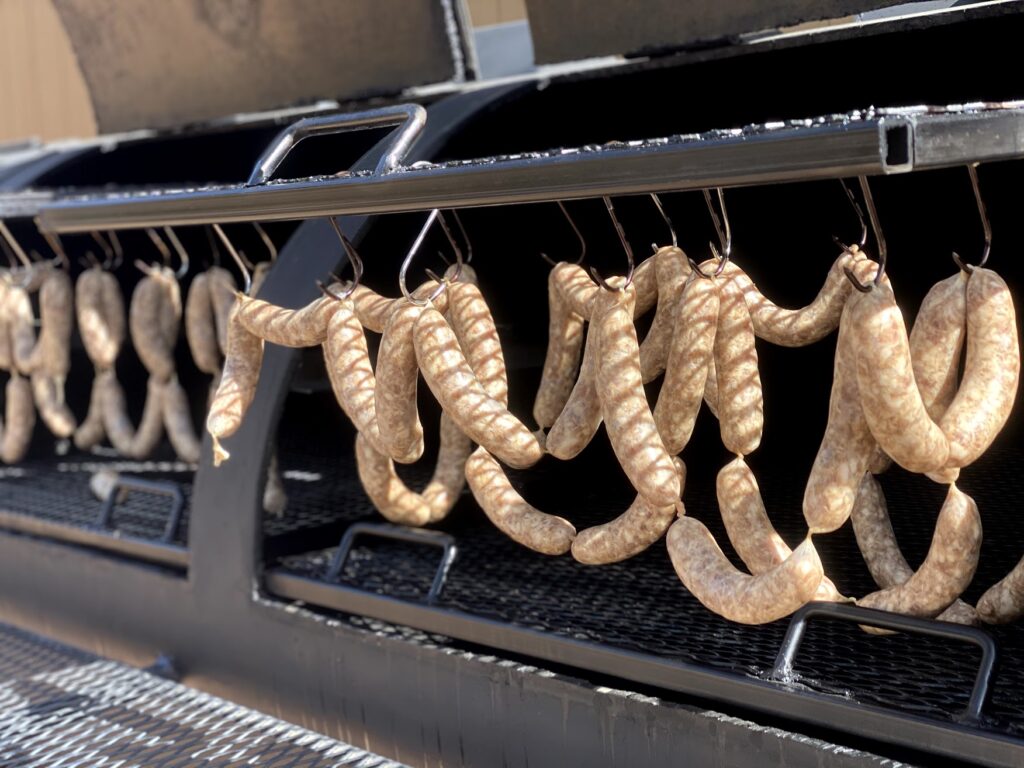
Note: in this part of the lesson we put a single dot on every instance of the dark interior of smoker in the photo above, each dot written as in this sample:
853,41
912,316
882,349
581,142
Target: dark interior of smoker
782,238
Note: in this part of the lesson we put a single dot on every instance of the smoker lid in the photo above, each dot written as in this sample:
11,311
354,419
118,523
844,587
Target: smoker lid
567,30
162,65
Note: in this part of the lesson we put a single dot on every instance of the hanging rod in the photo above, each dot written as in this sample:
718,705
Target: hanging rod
882,142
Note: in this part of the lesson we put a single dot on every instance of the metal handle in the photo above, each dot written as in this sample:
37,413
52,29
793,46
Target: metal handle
783,669
409,535
146,486
410,119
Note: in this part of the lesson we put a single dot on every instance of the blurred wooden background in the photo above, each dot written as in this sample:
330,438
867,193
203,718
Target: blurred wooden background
42,92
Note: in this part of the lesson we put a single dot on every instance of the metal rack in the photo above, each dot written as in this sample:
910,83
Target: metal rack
860,143
884,142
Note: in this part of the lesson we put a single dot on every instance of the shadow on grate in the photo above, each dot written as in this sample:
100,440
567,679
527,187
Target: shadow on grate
640,606
62,706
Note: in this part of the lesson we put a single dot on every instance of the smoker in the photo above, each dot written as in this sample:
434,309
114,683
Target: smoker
453,644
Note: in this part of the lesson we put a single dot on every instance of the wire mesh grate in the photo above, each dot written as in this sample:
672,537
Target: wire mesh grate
640,606
60,706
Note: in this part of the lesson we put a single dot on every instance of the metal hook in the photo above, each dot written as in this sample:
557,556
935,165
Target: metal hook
6,234
353,258
579,236
626,247
53,240
665,218
860,217
465,237
724,237
180,250
108,252
115,243
883,251
8,253
212,241
271,248
403,270
165,252
246,274
985,223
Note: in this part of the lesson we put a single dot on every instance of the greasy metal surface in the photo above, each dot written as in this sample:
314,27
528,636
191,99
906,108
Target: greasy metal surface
61,706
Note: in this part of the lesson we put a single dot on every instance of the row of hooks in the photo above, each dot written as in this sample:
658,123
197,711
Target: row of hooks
114,253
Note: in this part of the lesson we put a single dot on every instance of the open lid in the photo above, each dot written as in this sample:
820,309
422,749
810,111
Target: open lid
567,30
177,62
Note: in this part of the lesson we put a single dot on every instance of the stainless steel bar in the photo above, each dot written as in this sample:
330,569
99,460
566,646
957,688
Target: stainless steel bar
836,147
16,205
722,159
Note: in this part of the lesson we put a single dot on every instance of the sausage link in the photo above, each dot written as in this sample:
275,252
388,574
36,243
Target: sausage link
577,289
577,424
149,319
21,326
19,419
200,328
461,395
398,418
847,446
627,415
237,385
297,328
808,324
177,415
711,384
991,370
474,327
892,403
740,398
398,503
645,286
130,442
347,361
510,513
690,353
6,354
49,397
51,355
1004,601
99,306
672,270
747,525
936,341
948,568
877,543
91,432
222,297
707,573
373,310
630,533
581,292
275,498
565,342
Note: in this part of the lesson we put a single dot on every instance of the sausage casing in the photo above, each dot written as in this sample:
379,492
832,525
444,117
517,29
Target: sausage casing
991,370
510,513
707,573
691,351
627,415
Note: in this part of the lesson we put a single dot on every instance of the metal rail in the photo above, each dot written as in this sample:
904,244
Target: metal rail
845,145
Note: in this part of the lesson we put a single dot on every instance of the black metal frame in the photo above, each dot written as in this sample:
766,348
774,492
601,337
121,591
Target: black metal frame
328,672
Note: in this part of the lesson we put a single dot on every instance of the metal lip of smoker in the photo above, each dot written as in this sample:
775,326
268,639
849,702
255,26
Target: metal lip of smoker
871,143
